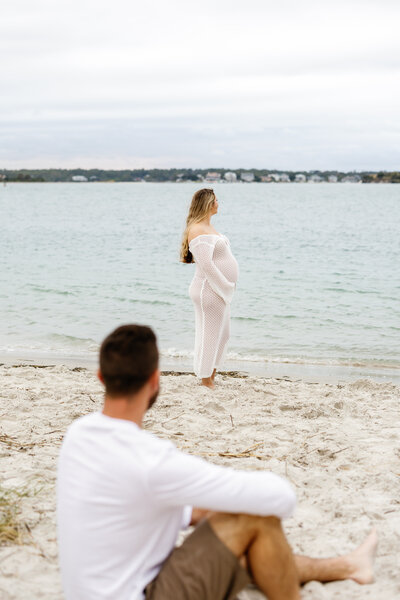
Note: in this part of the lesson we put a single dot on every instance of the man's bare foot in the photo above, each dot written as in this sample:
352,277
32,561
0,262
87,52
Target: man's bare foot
208,382
361,560
213,374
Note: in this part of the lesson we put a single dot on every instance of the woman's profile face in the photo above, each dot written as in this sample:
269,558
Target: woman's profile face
214,207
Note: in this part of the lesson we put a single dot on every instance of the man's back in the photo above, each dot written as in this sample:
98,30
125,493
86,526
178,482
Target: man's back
113,535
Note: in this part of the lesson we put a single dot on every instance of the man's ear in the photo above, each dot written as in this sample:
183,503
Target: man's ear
100,376
155,379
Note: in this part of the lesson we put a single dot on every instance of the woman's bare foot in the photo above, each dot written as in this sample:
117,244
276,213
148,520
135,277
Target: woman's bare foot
208,382
213,374
361,560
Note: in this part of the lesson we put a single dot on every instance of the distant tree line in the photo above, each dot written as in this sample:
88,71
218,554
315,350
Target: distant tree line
163,175
382,177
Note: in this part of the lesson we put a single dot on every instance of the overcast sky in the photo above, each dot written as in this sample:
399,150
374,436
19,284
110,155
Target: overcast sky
224,83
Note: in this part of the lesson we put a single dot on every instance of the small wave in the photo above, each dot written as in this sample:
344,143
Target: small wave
290,360
138,300
175,353
45,290
367,292
152,302
349,291
60,337
48,350
370,364
246,319
236,356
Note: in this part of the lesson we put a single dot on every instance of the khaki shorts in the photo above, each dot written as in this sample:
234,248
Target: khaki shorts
203,568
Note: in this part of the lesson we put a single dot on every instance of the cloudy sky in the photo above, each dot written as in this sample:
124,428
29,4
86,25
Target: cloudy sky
223,83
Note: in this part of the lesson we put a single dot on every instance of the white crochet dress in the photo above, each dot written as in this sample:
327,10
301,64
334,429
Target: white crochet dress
211,291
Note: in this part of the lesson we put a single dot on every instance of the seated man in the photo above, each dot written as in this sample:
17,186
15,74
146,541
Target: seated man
124,494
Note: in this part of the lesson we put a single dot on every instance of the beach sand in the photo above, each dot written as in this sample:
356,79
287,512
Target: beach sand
337,444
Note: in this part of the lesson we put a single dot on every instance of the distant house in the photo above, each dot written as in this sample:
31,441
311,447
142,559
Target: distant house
79,178
213,176
315,179
247,176
275,177
332,178
300,178
351,179
230,176
284,177
93,178
266,178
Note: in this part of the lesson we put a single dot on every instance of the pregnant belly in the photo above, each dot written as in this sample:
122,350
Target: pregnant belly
228,267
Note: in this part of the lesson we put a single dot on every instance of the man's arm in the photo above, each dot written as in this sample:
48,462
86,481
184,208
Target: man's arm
179,479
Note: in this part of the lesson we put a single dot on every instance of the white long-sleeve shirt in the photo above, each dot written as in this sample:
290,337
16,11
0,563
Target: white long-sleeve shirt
123,495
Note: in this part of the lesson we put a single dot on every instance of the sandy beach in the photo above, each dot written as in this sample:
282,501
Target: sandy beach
337,443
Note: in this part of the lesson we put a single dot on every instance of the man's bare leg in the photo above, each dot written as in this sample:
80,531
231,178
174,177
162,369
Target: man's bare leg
269,557
358,565
276,571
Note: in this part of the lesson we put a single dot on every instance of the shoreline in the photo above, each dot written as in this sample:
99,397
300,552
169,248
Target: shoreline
315,373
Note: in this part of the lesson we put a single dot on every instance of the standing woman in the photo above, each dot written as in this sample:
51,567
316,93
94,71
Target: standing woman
212,286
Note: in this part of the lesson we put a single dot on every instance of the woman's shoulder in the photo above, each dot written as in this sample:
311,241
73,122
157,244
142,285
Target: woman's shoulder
199,231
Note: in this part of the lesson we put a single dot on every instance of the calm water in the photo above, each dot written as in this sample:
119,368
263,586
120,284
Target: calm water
319,269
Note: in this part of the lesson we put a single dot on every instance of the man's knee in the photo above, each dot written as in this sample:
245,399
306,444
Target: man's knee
238,531
243,521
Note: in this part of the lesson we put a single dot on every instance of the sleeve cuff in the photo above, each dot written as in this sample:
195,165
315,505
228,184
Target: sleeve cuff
186,516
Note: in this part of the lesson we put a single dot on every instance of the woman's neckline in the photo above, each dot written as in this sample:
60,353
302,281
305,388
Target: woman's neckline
220,235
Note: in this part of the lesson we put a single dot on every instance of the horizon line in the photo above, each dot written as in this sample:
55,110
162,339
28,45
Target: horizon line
194,169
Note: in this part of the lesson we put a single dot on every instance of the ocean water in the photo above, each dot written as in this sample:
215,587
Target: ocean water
319,266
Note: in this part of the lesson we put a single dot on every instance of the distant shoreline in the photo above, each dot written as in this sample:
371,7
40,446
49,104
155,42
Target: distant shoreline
206,176
161,182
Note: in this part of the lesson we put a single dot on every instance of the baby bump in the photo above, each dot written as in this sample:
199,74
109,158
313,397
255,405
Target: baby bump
228,266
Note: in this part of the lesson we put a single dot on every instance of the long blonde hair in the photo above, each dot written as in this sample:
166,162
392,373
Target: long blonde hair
202,202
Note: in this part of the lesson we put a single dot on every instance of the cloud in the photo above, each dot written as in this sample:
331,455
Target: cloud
192,78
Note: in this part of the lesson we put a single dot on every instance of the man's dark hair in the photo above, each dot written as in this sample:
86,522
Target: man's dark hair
128,356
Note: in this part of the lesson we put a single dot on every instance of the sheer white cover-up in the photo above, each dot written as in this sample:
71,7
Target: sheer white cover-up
211,292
